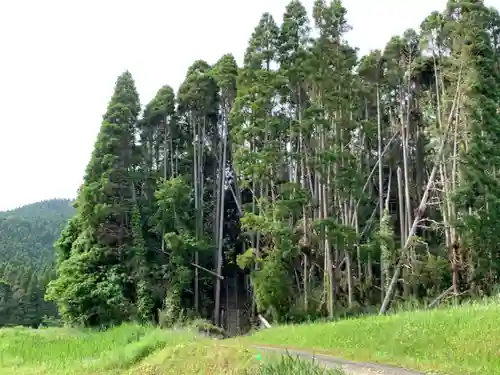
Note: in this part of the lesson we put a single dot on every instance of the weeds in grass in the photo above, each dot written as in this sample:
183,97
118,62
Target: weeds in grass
289,365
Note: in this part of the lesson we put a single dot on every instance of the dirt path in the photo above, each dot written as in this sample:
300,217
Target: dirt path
350,367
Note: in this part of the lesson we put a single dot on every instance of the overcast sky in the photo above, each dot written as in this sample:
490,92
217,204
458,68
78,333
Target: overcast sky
59,60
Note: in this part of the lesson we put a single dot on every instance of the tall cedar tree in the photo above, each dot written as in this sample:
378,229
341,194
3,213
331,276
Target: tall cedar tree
95,284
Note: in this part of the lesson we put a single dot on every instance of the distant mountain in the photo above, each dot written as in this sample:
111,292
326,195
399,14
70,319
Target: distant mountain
28,233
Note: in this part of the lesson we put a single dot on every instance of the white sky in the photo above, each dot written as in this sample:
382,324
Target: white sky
59,60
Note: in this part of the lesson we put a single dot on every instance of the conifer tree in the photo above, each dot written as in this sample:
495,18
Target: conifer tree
479,194
93,286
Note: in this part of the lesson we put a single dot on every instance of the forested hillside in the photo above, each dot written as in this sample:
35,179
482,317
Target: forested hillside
331,181
28,233
27,236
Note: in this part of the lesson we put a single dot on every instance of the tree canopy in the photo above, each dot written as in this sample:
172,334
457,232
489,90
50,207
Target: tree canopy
308,182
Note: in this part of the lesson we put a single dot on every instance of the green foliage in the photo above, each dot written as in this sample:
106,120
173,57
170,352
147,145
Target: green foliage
386,242
246,260
198,93
87,295
21,296
479,199
269,170
273,288
225,73
173,205
93,286
27,234
171,314
174,218
145,303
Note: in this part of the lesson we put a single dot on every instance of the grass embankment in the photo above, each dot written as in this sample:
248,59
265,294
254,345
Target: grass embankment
460,340
131,349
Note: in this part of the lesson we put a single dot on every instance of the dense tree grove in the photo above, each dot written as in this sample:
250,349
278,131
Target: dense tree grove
27,236
308,181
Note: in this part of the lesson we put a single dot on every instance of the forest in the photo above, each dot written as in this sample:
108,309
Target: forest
309,181
27,236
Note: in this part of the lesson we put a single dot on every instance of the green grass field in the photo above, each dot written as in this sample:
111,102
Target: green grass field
459,340
132,349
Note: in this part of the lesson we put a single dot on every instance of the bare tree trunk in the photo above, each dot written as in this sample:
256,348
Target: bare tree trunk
165,134
328,250
423,202
380,187
403,230
220,234
196,167
349,278
405,129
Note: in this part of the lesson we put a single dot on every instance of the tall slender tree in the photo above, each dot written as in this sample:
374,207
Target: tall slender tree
93,286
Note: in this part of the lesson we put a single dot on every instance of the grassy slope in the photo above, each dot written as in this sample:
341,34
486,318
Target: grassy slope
462,340
130,349
123,350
